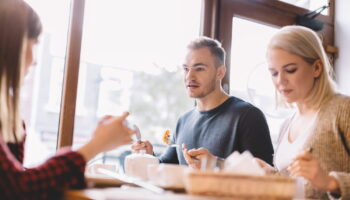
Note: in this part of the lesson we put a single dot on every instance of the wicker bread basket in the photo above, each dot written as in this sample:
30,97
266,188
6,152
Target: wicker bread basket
239,186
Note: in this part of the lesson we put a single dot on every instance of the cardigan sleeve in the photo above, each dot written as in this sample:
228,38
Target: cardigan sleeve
343,178
46,181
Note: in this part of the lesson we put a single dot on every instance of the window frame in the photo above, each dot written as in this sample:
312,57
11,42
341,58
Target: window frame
71,75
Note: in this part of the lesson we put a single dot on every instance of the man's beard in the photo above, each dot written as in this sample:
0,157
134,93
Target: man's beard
210,88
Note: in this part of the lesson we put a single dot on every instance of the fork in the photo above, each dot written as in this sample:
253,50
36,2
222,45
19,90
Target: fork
173,145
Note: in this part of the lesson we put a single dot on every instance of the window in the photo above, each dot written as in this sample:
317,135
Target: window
309,4
131,57
249,77
41,95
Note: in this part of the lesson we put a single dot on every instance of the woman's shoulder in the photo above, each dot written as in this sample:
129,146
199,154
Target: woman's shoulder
338,101
336,108
341,97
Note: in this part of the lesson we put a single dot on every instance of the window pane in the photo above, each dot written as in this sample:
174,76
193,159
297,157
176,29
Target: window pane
131,56
41,94
309,4
249,77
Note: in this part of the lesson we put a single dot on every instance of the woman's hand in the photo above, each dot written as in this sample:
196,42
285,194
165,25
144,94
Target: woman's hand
265,166
142,145
305,165
195,157
110,133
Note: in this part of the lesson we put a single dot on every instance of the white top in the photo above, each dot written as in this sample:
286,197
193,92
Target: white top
286,152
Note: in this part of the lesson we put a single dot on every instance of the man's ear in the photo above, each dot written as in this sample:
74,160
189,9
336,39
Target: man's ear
317,68
221,71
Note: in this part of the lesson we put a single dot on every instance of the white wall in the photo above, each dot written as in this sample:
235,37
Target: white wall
342,41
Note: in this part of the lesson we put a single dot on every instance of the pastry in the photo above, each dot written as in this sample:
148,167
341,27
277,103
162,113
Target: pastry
166,137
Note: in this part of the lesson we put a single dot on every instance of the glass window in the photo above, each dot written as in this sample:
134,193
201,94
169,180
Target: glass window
131,56
309,4
41,93
249,77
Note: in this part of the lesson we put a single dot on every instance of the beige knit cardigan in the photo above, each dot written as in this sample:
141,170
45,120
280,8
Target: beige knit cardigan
333,119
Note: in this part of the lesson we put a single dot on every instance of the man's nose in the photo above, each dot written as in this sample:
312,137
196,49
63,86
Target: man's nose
190,74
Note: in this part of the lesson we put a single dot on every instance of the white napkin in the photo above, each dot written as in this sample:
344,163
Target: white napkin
242,164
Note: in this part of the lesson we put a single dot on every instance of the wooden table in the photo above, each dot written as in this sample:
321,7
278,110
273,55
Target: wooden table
130,193
101,187
112,189
134,193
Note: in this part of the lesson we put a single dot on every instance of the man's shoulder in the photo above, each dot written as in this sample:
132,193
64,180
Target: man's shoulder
240,105
187,114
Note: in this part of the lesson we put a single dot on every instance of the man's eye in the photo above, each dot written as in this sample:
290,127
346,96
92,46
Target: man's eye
185,69
199,69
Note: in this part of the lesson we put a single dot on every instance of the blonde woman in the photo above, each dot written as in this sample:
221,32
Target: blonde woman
20,28
314,143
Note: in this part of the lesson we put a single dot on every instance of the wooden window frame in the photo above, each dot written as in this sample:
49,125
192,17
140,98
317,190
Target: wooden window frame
71,75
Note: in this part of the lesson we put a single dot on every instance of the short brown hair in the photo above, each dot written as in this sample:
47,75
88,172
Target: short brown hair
214,47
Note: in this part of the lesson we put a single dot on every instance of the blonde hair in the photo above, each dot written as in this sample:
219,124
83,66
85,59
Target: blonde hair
304,42
18,23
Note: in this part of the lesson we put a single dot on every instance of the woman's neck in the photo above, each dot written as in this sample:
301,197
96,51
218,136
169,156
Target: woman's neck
305,109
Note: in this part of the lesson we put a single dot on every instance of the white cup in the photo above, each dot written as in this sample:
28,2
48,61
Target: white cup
136,165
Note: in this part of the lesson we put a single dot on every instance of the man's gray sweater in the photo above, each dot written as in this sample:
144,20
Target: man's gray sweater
235,125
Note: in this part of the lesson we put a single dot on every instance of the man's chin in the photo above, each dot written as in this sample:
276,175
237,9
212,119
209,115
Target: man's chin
191,95
195,96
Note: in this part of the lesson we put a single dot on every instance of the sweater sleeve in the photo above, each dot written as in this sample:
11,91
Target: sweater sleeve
254,135
169,156
343,178
46,181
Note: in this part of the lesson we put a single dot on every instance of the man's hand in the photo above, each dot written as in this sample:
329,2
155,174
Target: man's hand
142,145
195,158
